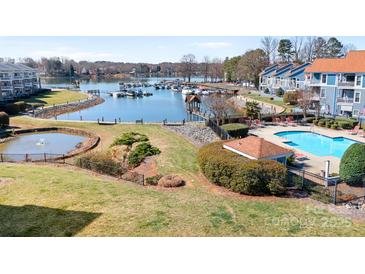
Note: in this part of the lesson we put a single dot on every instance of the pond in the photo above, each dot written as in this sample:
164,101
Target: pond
36,144
164,104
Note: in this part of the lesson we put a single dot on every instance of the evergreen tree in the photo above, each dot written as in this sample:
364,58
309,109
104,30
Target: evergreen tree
334,47
285,50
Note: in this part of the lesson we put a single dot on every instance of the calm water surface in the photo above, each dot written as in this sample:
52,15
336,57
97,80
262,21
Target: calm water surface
37,143
164,104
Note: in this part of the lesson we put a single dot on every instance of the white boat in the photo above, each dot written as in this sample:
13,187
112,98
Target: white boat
187,91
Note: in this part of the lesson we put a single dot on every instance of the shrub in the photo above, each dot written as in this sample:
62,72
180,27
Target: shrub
345,124
236,130
315,122
352,165
310,119
267,91
334,126
101,163
321,123
4,119
141,151
253,177
271,98
129,138
12,109
37,105
279,92
21,105
290,97
153,180
171,181
348,122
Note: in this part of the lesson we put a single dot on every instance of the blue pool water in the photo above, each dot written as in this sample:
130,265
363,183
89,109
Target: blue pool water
316,144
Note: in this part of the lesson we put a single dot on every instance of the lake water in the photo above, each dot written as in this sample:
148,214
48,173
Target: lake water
164,104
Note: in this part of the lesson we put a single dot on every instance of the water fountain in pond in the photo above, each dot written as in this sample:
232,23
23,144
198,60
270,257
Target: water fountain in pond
41,142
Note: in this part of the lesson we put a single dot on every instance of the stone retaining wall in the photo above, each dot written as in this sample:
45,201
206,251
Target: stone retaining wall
48,112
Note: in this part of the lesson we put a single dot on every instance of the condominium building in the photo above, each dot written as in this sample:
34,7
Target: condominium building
339,83
17,81
286,77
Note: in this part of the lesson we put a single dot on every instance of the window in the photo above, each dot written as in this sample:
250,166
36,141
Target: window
358,80
323,92
355,112
324,78
357,97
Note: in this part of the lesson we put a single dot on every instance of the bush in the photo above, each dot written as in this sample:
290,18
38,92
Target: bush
290,97
267,91
334,126
11,109
4,119
321,123
279,92
129,138
236,130
310,120
21,105
141,151
153,180
315,122
349,123
345,124
101,163
352,165
253,177
171,181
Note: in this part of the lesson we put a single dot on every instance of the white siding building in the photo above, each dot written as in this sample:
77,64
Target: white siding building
17,81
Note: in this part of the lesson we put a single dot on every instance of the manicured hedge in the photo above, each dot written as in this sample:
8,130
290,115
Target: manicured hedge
253,177
290,97
4,119
101,163
344,123
21,105
352,165
129,138
236,130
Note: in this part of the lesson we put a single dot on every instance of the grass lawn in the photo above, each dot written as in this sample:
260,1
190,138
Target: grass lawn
56,97
41,200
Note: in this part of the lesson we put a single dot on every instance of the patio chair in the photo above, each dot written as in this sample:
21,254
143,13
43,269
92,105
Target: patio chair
258,123
290,121
283,122
300,157
354,131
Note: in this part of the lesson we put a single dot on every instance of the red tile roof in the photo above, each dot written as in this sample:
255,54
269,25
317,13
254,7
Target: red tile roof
353,62
256,147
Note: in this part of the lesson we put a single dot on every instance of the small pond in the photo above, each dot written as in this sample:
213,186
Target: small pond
36,144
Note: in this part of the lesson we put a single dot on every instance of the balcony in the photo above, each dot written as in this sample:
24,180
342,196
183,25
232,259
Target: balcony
346,83
345,100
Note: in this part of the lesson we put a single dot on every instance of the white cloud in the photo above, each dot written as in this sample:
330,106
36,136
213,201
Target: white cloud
213,45
76,54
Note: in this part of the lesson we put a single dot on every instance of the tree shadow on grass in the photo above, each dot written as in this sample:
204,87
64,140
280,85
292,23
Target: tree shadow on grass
38,98
38,221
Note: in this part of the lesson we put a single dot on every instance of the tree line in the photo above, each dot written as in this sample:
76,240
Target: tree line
297,49
188,66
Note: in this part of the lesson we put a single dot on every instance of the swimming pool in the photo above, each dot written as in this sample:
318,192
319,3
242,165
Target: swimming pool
317,144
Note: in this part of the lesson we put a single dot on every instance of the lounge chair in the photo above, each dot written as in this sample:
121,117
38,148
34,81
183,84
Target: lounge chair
258,123
290,121
300,157
283,122
353,131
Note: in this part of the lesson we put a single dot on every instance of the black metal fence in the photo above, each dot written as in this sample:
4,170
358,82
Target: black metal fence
32,157
218,130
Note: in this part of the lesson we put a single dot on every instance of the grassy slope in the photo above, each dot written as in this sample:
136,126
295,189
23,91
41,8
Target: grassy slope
63,202
56,97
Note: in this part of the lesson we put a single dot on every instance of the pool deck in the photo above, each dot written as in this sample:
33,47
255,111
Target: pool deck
314,164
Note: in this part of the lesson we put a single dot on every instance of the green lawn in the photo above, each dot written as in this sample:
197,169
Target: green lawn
56,97
59,201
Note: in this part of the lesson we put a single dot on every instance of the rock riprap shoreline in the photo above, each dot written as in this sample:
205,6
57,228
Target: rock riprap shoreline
198,134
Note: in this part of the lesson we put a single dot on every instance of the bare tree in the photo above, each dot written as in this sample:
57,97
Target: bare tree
269,46
218,106
305,100
308,49
216,69
346,48
297,43
188,63
206,67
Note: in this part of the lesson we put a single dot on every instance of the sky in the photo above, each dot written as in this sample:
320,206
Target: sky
149,49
